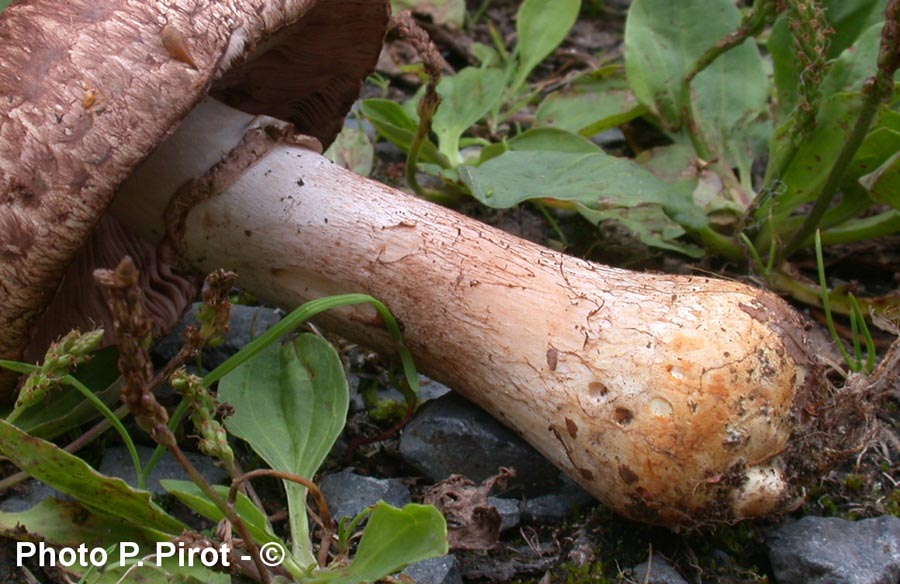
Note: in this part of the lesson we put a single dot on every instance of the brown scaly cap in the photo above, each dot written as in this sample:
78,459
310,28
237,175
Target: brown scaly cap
89,87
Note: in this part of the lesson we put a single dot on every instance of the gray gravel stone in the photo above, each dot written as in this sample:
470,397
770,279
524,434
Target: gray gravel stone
556,506
829,550
660,572
348,493
609,137
451,436
510,514
389,152
443,570
117,462
27,495
429,390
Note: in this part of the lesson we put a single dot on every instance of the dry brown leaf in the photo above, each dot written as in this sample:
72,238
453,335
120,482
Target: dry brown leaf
472,522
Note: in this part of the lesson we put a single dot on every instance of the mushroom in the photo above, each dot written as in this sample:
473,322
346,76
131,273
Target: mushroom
91,87
672,399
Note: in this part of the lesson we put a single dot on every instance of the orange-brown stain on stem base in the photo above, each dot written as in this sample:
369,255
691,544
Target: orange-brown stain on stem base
552,358
572,428
629,476
176,45
623,416
716,384
685,343
597,389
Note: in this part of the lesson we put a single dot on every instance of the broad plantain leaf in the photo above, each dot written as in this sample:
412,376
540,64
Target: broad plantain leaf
191,495
541,25
849,20
66,408
465,98
71,475
69,524
290,405
590,107
677,166
663,41
441,11
813,159
553,140
851,69
671,163
393,538
255,520
396,125
596,180
156,570
649,224
883,184
352,150
880,143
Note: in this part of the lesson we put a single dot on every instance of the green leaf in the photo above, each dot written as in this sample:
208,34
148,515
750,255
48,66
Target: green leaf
490,151
878,146
664,39
441,11
396,125
883,185
553,140
590,107
168,570
68,523
393,539
191,495
849,20
880,143
855,65
465,98
74,477
676,164
255,520
785,68
290,405
596,180
669,163
352,150
813,159
67,409
486,55
541,26
649,224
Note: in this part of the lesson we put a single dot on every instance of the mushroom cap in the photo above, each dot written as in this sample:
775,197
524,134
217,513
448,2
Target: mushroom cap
90,87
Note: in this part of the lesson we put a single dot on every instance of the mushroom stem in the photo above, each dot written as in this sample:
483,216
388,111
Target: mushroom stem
670,398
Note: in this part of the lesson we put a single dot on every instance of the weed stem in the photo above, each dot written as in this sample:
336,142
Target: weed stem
167,438
763,12
871,100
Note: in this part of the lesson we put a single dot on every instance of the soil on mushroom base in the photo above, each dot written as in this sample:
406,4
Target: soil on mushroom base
863,487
